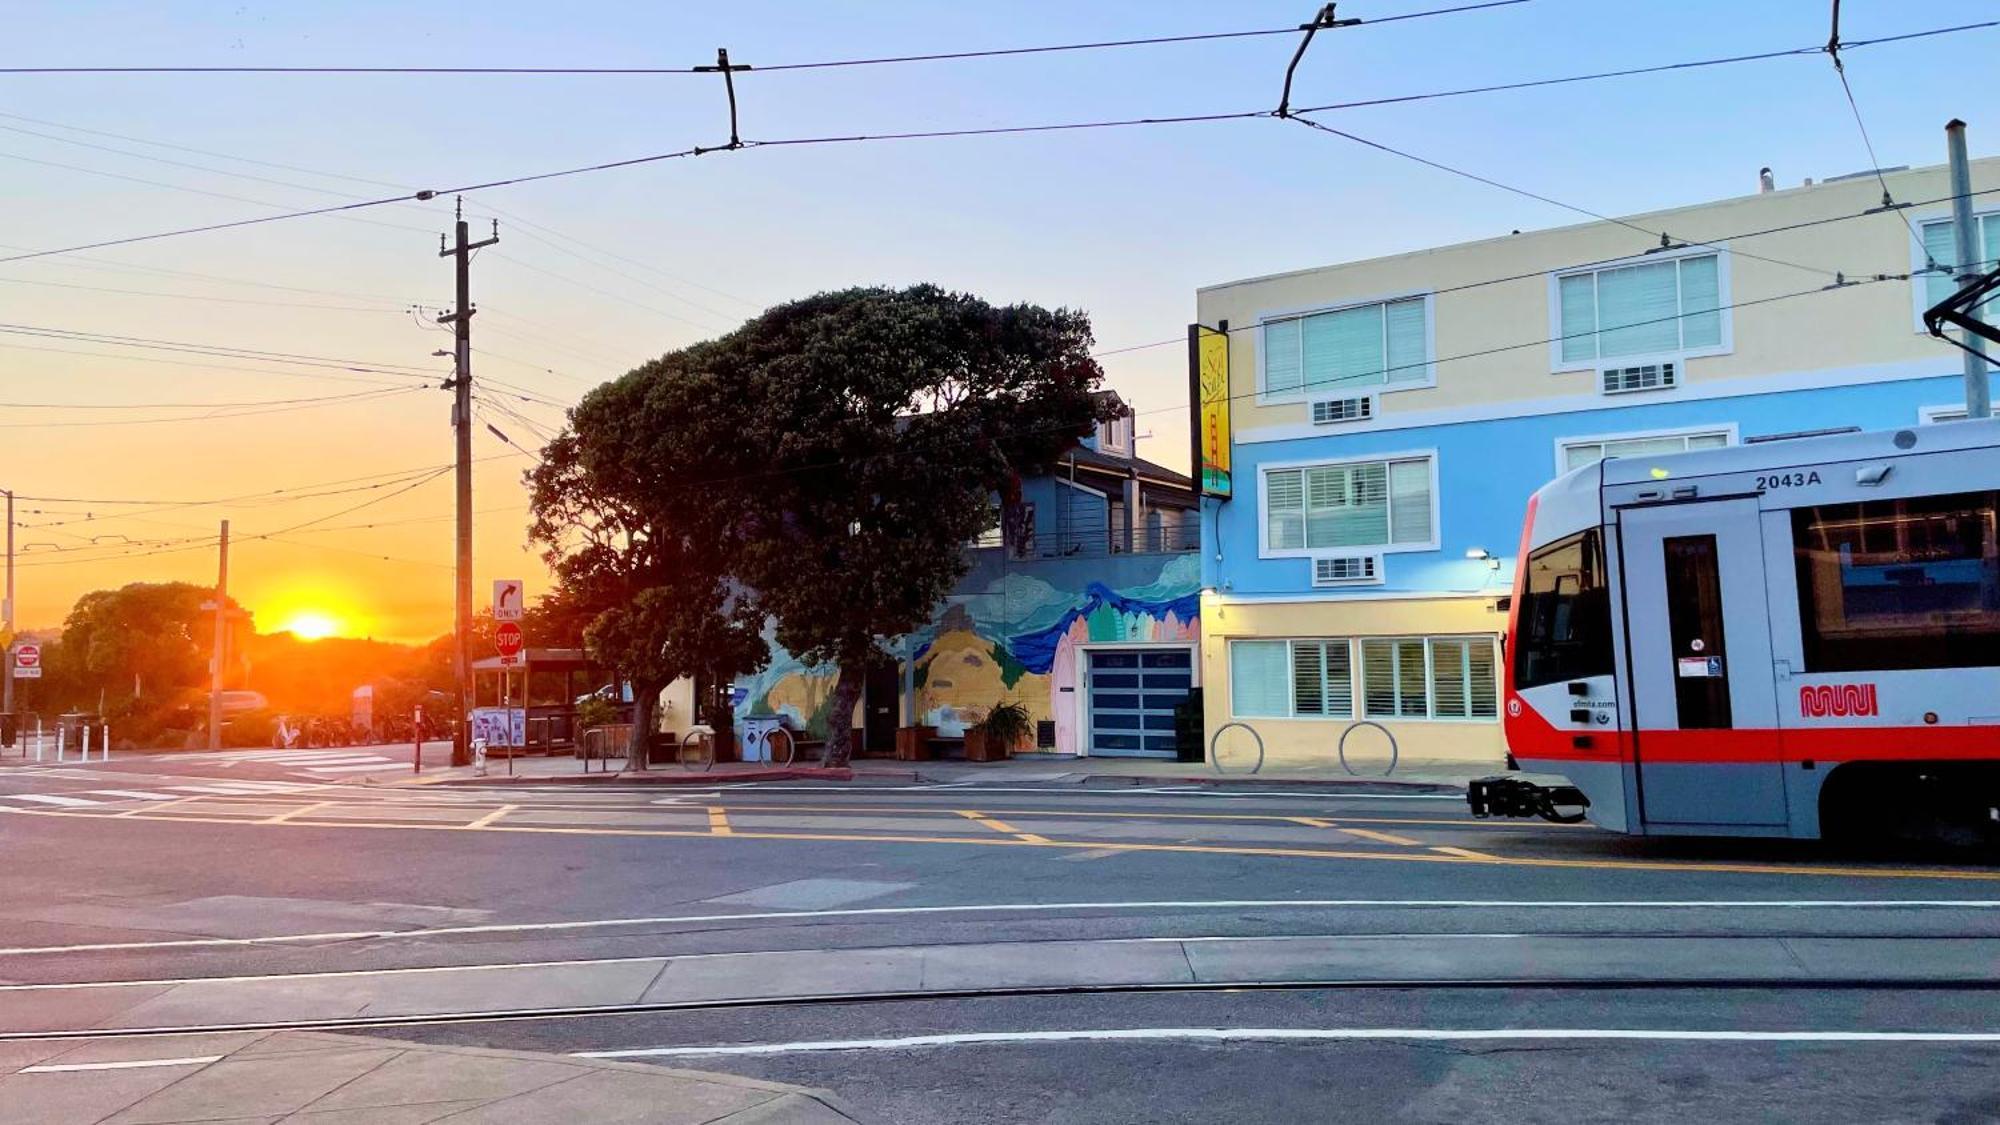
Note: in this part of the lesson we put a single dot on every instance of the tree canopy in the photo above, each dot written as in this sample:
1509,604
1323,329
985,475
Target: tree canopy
823,466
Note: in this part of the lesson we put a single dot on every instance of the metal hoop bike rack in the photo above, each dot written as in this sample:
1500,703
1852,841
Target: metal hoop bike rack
1394,752
1215,759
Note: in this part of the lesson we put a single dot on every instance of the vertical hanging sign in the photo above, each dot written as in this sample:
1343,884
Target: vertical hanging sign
1208,387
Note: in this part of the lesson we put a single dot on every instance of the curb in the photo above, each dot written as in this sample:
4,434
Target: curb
661,777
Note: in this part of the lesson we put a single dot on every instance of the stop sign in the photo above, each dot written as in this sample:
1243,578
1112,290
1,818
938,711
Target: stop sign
507,640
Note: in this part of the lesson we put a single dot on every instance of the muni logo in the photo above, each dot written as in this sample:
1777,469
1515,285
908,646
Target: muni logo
1839,700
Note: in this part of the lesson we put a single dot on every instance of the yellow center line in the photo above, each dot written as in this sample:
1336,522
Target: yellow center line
1001,827
1111,814
300,811
718,822
1428,856
1382,837
489,818
1310,821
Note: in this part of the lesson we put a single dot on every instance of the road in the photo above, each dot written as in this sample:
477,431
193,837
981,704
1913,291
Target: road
1007,951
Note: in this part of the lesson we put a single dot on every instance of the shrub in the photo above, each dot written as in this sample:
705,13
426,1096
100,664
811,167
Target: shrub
1008,724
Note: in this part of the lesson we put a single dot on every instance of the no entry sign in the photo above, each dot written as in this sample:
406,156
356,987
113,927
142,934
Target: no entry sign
507,642
28,662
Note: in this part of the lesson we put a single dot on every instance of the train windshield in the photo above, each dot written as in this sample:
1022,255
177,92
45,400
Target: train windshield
1565,619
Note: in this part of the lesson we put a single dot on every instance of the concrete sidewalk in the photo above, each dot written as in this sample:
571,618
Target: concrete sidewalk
300,1077
1423,776
380,997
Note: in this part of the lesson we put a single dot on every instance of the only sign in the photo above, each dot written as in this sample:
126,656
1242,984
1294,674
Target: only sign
507,641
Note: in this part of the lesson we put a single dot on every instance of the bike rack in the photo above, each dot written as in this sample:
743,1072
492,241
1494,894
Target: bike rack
1215,759
1395,753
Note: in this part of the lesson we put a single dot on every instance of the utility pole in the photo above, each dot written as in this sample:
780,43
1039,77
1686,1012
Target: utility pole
7,650
1965,270
221,640
460,318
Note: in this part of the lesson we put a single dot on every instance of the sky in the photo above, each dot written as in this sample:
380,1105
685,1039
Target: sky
333,508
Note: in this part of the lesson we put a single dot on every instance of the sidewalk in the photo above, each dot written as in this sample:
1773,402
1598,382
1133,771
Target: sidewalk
307,1077
1417,776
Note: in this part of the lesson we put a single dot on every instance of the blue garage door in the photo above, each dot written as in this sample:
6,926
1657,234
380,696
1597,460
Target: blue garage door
1133,694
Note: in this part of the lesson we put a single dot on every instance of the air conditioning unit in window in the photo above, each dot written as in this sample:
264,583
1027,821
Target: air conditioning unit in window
1327,412
1348,570
1645,377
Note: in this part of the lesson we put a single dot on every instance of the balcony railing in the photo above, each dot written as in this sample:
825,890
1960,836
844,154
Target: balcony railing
1099,542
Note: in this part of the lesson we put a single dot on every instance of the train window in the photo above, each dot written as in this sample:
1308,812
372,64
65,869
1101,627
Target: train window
1565,616
1907,583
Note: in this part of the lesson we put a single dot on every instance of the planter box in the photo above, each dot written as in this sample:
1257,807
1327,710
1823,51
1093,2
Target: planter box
913,744
981,748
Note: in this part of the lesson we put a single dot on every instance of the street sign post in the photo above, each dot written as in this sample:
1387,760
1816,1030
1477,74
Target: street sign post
507,641
27,662
507,599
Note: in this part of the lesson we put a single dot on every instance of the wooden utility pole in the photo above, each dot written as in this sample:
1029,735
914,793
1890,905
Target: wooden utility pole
460,318
221,642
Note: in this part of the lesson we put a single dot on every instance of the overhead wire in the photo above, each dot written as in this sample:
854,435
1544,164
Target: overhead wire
678,154
214,414
941,56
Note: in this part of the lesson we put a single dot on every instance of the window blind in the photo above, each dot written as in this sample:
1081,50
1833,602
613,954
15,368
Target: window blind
1258,681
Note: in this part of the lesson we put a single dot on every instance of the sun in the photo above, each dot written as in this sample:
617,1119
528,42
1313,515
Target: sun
311,625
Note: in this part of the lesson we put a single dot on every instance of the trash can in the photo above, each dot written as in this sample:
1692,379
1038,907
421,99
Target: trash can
10,729
72,724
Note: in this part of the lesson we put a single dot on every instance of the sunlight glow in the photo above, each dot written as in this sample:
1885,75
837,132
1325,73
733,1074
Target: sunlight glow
311,625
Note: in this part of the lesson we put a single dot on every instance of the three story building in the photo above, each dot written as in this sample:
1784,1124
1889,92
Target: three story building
1391,417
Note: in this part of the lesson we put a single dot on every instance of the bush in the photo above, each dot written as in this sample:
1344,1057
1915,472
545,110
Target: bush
595,712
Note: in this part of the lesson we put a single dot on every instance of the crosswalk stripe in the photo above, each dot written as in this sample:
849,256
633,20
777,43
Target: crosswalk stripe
47,799
135,794
380,765
206,789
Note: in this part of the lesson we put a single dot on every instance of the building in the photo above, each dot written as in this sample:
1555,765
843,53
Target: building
1086,609
1390,418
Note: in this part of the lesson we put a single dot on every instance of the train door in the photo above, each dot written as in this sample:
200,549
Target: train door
1703,692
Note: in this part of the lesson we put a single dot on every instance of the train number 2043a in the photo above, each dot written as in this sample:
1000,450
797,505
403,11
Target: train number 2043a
1795,478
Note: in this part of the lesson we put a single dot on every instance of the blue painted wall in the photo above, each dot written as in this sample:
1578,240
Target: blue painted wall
1487,470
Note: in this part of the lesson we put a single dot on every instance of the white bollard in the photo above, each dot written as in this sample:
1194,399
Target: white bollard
61,737
86,742
479,757
104,742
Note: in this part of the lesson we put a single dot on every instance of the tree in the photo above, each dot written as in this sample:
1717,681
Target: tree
639,547
146,640
889,421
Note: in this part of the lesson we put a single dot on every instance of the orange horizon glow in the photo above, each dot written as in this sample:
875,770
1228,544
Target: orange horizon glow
312,625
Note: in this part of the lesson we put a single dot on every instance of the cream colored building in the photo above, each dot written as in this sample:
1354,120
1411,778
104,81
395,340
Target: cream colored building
1391,417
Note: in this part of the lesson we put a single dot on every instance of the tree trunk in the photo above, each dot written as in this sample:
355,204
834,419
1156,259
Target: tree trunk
840,715
645,721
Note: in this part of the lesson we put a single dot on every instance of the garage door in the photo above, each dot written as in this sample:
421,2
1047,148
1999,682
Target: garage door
1133,694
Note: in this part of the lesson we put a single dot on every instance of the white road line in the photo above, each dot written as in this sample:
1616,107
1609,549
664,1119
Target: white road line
210,789
129,1064
1294,1034
47,799
136,795
1033,907
378,766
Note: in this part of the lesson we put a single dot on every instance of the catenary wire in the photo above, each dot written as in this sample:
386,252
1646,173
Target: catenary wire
699,150
943,56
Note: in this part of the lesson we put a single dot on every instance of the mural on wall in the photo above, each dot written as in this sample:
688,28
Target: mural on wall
1014,637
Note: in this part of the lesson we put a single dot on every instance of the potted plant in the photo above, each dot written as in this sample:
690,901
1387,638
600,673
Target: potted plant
993,738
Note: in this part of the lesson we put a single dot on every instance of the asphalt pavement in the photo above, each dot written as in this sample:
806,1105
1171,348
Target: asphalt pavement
1005,951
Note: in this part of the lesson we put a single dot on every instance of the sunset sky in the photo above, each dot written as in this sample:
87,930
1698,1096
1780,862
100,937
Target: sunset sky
596,273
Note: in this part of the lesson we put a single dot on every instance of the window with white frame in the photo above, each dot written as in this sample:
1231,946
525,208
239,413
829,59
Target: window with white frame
1384,343
1644,309
1928,414
1429,678
1941,247
1576,454
1297,679
1356,504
